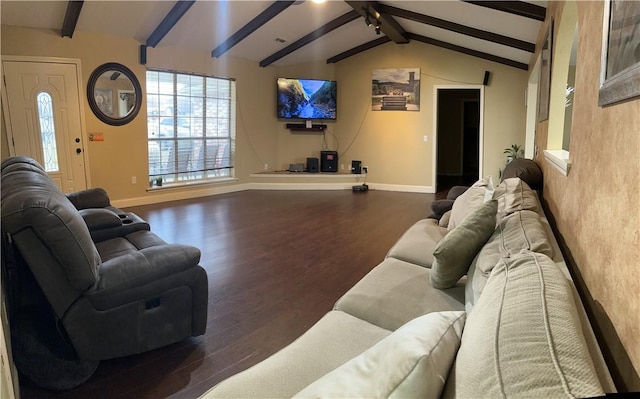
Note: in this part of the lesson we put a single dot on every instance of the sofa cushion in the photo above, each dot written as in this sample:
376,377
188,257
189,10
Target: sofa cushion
518,232
542,355
331,342
515,195
395,292
413,362
455,252
467,202
32,205
417,244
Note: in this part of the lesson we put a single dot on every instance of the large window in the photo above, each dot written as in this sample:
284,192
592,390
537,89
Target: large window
190,126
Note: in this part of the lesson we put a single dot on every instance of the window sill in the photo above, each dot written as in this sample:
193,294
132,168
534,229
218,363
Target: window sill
559,159
183,184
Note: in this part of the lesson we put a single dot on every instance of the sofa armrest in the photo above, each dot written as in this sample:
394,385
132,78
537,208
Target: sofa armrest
133,271
100,218
91,198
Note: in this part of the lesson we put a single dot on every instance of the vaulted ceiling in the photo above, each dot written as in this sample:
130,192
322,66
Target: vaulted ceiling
289,32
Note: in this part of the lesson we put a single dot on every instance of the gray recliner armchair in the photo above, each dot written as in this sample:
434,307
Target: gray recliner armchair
115,288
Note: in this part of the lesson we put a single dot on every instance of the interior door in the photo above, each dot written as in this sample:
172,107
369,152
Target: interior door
42,110
458,144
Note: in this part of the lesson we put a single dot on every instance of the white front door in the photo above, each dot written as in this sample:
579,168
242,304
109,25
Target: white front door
42,111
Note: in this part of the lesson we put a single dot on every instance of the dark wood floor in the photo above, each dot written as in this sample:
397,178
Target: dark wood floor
276,262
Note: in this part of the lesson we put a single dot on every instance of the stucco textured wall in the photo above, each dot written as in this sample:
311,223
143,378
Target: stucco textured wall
597,206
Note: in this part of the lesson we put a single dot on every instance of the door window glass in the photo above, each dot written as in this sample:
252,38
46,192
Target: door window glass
47,132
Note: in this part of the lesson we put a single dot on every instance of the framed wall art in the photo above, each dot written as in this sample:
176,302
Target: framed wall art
395,89
620,65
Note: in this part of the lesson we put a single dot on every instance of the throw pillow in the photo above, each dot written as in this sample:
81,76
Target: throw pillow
468,201
455,252
412,362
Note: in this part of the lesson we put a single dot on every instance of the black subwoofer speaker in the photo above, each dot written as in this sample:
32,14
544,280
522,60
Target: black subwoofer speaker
312,165
329,161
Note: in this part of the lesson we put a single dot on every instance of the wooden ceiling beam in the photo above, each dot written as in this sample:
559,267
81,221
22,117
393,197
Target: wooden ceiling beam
71,17
520,8
454,27
316,34
468,51
389,26
169,21
274,9
358,49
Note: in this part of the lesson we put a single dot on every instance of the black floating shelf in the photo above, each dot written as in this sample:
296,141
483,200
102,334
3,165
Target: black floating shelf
302,127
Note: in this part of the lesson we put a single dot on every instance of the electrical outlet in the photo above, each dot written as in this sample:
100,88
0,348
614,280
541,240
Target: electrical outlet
133,180
341,166
425,138
266,166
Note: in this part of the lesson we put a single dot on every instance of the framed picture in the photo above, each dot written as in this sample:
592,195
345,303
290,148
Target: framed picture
395,89
620,66
544,87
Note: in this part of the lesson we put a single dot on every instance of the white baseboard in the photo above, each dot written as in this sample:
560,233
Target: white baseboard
301,186
402,188
175,195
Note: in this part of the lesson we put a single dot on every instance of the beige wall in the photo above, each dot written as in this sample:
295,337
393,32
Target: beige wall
123,153
390,143
597,207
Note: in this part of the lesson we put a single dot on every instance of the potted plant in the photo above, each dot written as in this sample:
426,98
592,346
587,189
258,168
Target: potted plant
513,152
159,181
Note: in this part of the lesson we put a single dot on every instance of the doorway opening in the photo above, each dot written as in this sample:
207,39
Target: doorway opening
458,131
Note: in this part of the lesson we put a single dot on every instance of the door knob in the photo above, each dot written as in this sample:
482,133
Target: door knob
78,150
77,139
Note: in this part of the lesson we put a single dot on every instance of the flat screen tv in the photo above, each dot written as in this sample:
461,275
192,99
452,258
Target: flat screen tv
306,99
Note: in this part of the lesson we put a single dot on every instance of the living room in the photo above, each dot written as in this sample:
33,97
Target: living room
591,207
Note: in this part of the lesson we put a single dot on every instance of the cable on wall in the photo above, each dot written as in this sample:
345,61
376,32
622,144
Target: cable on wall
325,143
364,117
246,132
450,80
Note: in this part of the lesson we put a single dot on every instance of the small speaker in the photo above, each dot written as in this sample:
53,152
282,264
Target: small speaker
329,161
485,81
356,167
312,165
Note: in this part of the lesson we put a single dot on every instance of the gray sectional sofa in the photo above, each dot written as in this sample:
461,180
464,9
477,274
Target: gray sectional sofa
506,320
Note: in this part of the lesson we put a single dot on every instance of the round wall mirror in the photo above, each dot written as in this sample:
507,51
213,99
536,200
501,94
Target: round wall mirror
114,94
